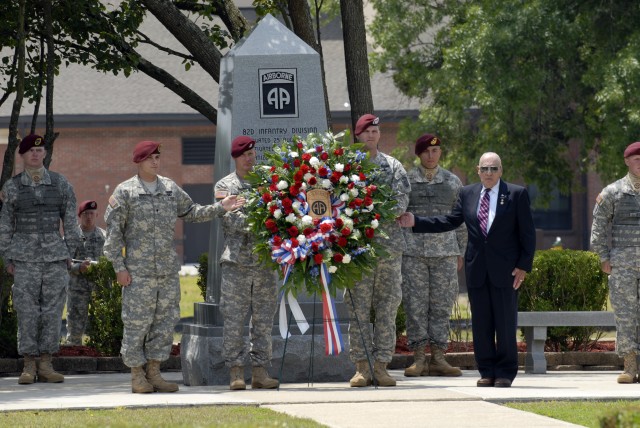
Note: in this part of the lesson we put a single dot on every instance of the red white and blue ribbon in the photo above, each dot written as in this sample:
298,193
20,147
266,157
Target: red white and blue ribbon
296,311
333,343
337,205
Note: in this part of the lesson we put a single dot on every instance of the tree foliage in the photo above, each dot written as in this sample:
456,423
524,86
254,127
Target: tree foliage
521,78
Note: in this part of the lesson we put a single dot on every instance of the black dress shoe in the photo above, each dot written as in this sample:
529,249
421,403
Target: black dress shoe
485,381
502,383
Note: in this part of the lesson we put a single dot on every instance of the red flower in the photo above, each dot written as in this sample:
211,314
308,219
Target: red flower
300,145
335,177
316,221
338,152
362,177
333,238
339,223
293,231
312,181
318,149
294,242
286,166
275,178
271,225
337,258
277,240
369,232
306,157
323,172
298,176
286,203
296,163
273,187
294,190
377,216
325,228
304,168
308,231
288,211
273,208
317,258
368,201
266,197
342,241
324,156
358,202
315,247
350,185
346,231
273,169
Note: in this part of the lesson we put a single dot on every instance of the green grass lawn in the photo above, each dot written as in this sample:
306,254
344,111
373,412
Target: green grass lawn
189,294
210,416
586,413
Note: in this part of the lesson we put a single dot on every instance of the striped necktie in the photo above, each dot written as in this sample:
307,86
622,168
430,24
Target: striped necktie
483,213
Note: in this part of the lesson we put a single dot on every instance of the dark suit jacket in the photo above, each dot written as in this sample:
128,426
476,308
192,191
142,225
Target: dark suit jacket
511,240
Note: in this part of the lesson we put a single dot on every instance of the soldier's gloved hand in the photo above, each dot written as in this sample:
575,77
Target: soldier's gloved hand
84,266
123,278
11,268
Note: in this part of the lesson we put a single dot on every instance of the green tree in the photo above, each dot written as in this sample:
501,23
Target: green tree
521,78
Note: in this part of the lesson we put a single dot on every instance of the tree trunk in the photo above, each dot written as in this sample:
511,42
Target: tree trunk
303,27
356,59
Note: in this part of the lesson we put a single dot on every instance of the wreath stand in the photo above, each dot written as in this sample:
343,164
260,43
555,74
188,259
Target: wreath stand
314,319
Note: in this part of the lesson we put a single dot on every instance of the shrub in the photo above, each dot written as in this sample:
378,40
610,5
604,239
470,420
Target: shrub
203,271
8,318
566,280
105,310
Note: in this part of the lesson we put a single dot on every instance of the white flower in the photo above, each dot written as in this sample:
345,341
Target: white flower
374,224
356,234
348,211
339,167
344,179
332,269
307,176
296,205
277,213
291,218
348,223
354,192
293,154
314,161
306,220
301,239
370,207
346,258
344,197
304,186
355,178
326,183
282,185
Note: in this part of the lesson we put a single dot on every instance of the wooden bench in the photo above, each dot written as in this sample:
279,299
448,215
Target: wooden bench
535,331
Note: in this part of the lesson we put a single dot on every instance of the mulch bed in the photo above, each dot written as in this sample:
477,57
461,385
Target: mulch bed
86,351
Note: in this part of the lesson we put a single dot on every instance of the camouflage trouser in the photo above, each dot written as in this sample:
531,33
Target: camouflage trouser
247,290
624,292
38,298
150,312
381,291
429,290
78,299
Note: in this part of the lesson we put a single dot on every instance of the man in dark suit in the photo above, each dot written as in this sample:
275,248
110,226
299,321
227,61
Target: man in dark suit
499,252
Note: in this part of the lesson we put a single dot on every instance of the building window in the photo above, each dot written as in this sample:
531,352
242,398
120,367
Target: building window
557,216
198,150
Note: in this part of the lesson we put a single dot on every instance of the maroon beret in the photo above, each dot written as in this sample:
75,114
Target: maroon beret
426,141
241,144
87,205
31,140
144,149
632,149
366,121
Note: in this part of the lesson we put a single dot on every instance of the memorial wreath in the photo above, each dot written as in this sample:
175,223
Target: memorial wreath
316,212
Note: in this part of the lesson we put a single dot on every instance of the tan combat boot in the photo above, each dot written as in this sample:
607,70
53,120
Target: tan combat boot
420,366
154,378
438,366
381,374
46,372
362,376
260,379
236,375
630,369
139,383
28,375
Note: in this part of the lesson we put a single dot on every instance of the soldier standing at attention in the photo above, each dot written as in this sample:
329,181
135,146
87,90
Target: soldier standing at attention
430,264
246,285
382,291
80,288
35,203
141,219
615,237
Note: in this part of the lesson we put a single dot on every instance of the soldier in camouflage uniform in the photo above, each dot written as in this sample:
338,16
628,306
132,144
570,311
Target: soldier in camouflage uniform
80,288
35,203
615,237
141,219
246,285
430,264
381,291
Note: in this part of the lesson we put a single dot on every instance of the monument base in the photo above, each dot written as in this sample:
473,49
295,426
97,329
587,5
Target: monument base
202,362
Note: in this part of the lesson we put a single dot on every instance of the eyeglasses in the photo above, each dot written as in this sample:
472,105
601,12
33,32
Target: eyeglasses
485,169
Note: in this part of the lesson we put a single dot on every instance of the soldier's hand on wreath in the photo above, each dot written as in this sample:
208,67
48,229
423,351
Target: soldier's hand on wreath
84,266
606,267
406,220
11,268
123,278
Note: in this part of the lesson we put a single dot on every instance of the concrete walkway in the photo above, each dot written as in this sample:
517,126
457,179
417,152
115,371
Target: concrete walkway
432,401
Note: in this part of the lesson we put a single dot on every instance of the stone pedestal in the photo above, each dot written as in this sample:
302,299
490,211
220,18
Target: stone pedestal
202,362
